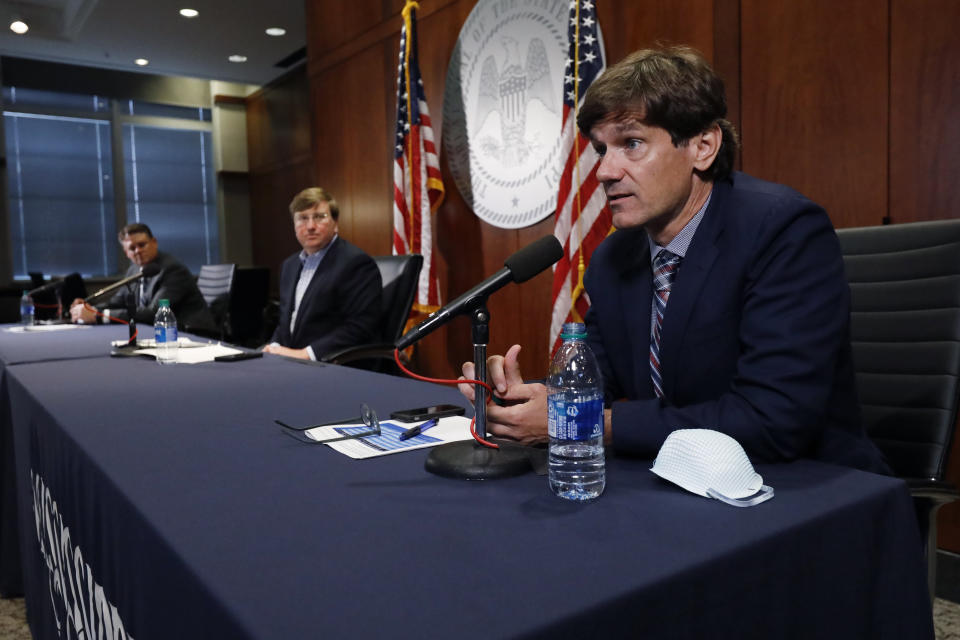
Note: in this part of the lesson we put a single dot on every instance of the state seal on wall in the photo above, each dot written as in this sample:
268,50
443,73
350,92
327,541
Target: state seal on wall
502,109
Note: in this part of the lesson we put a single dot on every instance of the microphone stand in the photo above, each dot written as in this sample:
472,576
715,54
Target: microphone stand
468,459
131,321
131,312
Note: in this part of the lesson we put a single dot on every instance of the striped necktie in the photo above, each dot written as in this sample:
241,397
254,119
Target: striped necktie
665,265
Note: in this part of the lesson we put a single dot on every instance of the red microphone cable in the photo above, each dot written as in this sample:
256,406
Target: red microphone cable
473,431
103,315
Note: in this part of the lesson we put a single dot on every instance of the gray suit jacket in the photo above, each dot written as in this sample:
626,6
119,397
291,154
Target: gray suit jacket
174,283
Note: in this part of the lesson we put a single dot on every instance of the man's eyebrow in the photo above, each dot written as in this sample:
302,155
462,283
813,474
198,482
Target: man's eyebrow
628,125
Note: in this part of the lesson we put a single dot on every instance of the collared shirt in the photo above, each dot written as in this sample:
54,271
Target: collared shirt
678,246
310,264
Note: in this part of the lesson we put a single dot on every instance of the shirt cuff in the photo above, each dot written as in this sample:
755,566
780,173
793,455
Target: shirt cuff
311,354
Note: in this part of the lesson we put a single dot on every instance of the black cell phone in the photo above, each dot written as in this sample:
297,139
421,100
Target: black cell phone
425,413
233,357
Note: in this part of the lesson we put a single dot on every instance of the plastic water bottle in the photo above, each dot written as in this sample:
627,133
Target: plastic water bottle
26,309
576,466
165,333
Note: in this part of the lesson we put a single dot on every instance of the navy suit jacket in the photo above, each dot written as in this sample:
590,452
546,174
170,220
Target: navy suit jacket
755,337
341,306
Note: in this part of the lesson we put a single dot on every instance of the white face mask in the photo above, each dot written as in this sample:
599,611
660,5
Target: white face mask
710,464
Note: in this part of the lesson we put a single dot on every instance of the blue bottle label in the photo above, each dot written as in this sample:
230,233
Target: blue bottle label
574,420
165,334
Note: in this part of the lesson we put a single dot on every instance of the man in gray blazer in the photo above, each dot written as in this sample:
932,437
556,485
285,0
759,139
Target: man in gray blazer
174,282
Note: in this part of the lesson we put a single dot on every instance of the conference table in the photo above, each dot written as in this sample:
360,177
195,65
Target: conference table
163,502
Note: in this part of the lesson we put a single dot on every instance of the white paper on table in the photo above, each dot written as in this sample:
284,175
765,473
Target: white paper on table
197,353
449,429
149,343
40,328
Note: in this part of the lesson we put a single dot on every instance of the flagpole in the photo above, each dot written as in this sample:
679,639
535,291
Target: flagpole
576,148
408,153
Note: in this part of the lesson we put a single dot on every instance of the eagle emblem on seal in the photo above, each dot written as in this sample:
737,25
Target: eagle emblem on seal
504,95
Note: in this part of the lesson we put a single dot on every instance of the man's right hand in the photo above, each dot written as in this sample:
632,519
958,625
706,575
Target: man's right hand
82,313
523,417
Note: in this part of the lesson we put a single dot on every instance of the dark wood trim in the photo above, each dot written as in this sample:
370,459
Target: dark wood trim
726,55
224,99
278,165
388,28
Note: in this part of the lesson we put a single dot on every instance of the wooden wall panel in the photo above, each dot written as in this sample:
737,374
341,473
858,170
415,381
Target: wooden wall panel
925,143
281,164
629,25
352,156
331,25
925,110
272,228
814,84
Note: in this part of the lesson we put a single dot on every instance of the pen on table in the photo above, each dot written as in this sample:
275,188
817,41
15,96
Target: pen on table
417,430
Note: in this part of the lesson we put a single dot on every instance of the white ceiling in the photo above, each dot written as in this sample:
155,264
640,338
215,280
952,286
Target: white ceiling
113,33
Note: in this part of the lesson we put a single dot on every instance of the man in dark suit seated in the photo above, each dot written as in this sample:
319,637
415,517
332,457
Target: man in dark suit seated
749,331
330,293
174,282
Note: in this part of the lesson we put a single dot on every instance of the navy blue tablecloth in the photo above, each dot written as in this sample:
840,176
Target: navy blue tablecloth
17,347
78,342
167,498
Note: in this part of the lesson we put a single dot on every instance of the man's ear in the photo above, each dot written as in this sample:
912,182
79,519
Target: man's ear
706,146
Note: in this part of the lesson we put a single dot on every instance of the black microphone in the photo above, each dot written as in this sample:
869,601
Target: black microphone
55,284
50,286
520,267
147,271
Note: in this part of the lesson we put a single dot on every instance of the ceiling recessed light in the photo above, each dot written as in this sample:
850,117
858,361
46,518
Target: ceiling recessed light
276,31
19,26
189,13
141,62
237,58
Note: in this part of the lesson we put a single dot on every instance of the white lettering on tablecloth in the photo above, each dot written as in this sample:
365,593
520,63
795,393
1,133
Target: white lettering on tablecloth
80,607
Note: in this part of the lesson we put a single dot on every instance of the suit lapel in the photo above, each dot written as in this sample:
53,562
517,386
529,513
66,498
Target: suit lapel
290,285
687,287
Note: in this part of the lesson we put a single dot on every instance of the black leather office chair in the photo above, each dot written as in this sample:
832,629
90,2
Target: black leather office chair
400,275
905,283
215,282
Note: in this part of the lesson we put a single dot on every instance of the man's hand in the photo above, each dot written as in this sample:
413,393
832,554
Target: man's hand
82,313
286,351
524,415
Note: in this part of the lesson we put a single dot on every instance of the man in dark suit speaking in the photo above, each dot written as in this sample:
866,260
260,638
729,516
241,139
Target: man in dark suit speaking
174,282
330,292
721,301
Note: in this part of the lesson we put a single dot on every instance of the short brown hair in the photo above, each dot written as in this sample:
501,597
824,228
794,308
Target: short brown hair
309,198
136,227
673,88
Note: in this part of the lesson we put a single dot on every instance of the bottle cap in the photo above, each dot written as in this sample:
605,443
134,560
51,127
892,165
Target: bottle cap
164,302
573,330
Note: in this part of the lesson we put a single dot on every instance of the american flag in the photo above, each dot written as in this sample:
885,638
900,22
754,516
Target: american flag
417,184
582,216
